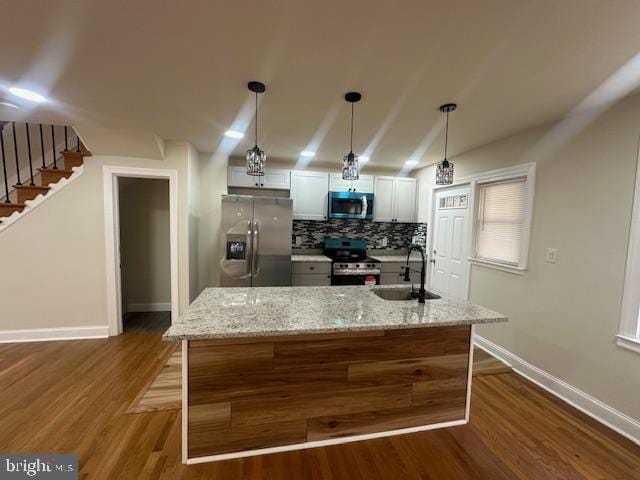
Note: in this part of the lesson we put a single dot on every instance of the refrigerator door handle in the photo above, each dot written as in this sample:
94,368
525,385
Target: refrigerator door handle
255,247
250,248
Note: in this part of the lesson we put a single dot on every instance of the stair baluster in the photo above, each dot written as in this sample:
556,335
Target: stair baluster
26,127
15,148
66,139
44,165
4,169
77,142
53,149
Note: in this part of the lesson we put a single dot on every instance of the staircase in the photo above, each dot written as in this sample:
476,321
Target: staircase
23,146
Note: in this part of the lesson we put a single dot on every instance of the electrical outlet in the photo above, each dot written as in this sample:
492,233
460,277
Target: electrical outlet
384,242
552,255
298,240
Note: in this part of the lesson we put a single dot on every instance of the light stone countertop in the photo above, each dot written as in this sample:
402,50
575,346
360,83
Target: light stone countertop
269,311
310,258
415,257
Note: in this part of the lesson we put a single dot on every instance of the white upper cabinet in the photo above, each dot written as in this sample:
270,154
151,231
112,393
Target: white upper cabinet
363,185
395,199
310,194
405,199
383,208
273,178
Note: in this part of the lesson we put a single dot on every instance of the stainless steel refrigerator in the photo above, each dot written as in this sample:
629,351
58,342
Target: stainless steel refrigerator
255,241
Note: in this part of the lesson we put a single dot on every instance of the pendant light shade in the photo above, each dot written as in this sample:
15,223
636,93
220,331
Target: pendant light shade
350,162
444,170
256,158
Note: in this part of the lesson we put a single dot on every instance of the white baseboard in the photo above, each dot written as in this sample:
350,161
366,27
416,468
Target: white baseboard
603,413
149,307
49,334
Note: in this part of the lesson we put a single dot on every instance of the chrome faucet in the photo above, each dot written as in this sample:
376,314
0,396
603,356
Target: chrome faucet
422,293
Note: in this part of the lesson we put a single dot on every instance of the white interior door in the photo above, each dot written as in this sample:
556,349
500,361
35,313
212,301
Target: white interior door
449,258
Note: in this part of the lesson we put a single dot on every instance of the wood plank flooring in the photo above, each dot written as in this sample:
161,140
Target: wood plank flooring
71,397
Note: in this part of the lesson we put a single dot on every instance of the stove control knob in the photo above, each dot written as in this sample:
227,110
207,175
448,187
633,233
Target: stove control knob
358,266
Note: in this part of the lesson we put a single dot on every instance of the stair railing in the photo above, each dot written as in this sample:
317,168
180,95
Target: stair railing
19,154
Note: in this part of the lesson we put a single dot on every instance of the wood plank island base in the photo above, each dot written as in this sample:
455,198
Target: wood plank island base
356,369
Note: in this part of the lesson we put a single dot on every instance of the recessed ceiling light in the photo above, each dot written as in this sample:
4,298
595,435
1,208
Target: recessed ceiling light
27,94
363,158
307,153
8,104
410,163
233,134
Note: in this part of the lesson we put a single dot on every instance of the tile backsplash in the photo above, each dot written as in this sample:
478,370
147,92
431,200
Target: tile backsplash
398,235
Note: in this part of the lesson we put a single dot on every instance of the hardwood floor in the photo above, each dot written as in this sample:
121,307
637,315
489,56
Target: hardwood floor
71,397
146,322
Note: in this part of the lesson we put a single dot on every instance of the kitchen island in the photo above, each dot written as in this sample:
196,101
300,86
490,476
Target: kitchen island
274,369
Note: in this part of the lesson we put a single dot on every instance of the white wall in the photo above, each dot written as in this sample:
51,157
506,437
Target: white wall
144,242
564,316
53,260
213,184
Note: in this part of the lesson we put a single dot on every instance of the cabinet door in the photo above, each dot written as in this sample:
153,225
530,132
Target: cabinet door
237,177
311,280
383,209
405,199
310,192
276,179
364,184
337,184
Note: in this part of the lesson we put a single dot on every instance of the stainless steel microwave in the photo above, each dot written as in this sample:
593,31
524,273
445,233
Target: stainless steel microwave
351,205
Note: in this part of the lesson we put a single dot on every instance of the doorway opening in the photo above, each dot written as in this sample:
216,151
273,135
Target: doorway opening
145,268
141,239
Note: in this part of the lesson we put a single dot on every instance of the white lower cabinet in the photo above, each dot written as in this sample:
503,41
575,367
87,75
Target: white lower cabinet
311,274
393,273
311,280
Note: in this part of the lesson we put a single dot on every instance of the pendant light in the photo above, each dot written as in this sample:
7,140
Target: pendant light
350,162
256,158
444,170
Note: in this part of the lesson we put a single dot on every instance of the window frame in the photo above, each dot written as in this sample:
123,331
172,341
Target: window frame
526,171
629,328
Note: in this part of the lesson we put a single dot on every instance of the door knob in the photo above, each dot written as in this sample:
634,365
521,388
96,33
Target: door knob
433,260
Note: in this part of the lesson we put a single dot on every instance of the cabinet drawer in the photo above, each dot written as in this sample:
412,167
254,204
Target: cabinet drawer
398,278
312,267
398,267
311,280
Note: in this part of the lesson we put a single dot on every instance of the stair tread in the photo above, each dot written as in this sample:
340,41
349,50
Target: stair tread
81,153
5,204
33,187
61,170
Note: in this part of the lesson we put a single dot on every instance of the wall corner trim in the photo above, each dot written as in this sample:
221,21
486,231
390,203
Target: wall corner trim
599,411
50,334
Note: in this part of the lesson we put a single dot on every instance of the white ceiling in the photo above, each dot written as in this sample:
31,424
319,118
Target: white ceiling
179,69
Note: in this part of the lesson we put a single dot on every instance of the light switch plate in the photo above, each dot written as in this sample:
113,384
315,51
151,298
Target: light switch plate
552,255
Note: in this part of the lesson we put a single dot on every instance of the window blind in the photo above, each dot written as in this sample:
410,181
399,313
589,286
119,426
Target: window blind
501,220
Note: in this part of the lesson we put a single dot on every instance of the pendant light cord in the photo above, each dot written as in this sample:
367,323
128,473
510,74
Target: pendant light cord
351,149
256,122
446,137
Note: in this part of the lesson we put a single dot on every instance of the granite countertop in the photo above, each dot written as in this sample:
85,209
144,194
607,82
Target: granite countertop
269,311
415,257
310,258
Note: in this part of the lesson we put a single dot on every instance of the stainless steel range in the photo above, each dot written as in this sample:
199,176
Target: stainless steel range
351,266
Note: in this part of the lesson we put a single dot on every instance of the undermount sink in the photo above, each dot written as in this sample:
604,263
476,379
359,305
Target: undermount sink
398,294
